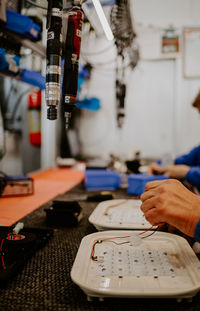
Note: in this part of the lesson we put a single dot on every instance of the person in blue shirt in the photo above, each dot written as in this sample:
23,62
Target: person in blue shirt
186,166
169,201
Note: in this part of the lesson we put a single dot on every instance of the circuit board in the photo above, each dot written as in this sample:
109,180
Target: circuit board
119,214
124,264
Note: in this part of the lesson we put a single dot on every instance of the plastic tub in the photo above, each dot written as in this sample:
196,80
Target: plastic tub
102,180
137,182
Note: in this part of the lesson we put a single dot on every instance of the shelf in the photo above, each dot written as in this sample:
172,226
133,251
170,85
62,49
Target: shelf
37,47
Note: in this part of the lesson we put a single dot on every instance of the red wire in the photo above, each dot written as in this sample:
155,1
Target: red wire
1,247
1,244
117,237
3,262
94,244
92,252
2,241
10,234
145,230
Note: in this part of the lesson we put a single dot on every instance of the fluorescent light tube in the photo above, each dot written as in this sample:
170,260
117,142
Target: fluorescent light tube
103,20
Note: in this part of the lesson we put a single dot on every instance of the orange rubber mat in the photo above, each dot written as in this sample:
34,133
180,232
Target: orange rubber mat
47,185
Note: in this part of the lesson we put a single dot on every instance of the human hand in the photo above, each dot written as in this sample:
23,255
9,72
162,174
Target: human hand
174,171
168,201
153,168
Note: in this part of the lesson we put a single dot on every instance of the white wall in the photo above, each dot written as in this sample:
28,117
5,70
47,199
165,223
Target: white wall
163,13
150,108
179,13
159,114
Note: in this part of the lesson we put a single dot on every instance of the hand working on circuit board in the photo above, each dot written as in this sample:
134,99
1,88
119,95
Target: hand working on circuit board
185,167
168,201
174,171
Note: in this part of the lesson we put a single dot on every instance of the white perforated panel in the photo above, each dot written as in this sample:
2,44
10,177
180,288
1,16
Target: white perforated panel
130,262
121,217
125,264
119,214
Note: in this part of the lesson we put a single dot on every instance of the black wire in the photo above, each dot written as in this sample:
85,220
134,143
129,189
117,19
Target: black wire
149,234
11,120
117,243
94,257
12,88
18,102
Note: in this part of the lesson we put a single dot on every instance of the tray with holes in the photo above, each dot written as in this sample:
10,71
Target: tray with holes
119,214
127,264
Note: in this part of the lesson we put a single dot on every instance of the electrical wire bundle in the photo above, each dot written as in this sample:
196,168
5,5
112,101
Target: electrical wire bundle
122,27
127,51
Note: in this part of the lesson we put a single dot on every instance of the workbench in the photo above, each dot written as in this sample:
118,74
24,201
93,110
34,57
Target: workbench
44,283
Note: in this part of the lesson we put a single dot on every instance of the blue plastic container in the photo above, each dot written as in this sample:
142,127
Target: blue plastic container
102,180
21,24
137,182
33,77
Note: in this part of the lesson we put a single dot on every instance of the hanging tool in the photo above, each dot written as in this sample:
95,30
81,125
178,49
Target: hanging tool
71,55
120,91
120,96
54,52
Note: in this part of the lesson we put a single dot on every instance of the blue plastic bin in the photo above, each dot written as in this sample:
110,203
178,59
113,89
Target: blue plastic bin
102,180
21,24
34,78
137,182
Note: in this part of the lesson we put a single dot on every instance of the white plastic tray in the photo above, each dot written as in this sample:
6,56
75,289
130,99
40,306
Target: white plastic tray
119,214
163,265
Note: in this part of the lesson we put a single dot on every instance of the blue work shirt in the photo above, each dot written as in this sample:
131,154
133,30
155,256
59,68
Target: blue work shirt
191,159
